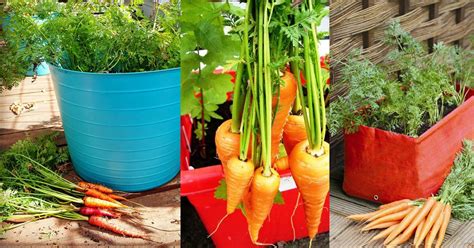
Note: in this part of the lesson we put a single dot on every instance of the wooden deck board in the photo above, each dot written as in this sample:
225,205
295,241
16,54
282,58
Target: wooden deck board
348,234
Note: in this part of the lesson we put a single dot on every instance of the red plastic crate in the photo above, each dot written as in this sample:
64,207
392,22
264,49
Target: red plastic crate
199,186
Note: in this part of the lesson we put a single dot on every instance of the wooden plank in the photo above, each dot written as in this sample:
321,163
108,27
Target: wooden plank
6,140
463,237
338,224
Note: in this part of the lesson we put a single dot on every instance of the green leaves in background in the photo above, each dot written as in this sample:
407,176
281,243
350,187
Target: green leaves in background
205,46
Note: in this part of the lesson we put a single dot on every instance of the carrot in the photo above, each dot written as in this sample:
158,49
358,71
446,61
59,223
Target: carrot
103,223
430,220
384,233
99,203
227,142
85,186
403,224
418,231
389,205
294,132
117,197
260,200
311,175
284,100
382,225
401,238
392,217
446,215
237,177
100,195
282,164
361,217
434,231
390,210
88,211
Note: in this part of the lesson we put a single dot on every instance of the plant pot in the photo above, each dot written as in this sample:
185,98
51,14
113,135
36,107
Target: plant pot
122,129
199,186
384,166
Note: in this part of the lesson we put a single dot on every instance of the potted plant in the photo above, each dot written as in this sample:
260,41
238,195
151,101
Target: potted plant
403,130
207,188
116,80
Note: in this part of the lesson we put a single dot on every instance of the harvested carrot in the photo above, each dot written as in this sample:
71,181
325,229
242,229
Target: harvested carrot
434,231
284,100
434,214
99,203
282,164
260,200
401,238
85,186
238,177
103,223
418,231
384,233
117,197
391,204
392,217
227,142
427,206
446,215
390,210
403,224
311,175
361,217
100,195
382,225
88,211
294,132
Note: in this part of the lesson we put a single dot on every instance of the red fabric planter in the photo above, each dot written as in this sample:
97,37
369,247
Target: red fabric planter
199,186
383,166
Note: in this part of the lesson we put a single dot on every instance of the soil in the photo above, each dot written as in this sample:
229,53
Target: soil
210,158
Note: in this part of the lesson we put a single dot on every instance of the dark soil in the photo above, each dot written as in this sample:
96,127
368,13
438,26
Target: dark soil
208,149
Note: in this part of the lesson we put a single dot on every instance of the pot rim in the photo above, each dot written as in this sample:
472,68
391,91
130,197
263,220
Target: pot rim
112,74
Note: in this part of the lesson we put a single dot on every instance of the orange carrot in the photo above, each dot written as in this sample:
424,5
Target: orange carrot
391,217
282,164
100,195
390,210
384,233
99,203
418,231
391,204
401,238
83,186
285,99
117,197
227,142
311,175
403,224
434,231
361,217
103,223
294,132
382,225
446,215
237,177
430,220
260,200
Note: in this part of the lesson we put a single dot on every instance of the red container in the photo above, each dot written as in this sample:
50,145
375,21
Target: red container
199,186
383,166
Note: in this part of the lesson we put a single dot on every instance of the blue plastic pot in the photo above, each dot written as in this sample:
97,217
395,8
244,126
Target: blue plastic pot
122,129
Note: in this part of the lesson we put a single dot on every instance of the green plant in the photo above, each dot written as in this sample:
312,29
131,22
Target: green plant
76,36
417,97
205,46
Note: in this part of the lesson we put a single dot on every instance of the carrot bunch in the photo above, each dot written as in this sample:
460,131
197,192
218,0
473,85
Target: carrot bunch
426,220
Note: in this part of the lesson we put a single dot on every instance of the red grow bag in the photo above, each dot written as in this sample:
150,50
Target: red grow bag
384,166
199,186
